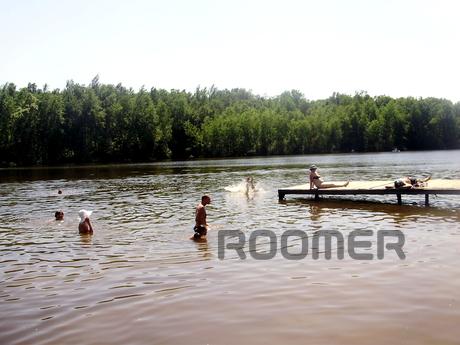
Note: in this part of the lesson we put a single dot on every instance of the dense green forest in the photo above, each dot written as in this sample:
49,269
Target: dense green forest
108,123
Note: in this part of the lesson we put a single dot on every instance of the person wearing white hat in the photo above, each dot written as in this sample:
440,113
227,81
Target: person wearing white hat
85,225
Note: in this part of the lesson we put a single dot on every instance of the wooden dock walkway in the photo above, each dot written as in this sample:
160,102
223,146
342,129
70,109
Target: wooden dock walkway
376,188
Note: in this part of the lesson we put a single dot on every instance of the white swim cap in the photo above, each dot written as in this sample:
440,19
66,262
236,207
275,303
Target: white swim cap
84,214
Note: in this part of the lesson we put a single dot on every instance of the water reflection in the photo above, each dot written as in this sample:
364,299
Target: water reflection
203,248
373,209
86,238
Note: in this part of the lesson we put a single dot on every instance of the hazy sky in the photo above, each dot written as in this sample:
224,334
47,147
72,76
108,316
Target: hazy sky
398,48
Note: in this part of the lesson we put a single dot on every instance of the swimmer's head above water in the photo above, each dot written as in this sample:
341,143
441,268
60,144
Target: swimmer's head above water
205,200
59,215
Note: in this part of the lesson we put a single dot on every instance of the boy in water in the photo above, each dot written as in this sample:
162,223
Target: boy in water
59,215
201,227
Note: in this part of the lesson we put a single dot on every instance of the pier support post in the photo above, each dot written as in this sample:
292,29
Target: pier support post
399,199
280,196
427,200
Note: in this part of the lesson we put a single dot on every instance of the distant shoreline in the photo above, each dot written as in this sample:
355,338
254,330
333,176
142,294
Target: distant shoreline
102,123
198,159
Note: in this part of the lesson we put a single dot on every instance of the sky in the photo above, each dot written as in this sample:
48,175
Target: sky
397,48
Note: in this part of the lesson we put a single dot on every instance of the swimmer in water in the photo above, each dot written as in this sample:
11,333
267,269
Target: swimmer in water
201,227
59,215
250,184
85,225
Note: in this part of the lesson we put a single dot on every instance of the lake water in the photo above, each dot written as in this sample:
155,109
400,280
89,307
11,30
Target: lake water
140,280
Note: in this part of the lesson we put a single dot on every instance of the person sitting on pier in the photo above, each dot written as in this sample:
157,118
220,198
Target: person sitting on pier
408,182
318,182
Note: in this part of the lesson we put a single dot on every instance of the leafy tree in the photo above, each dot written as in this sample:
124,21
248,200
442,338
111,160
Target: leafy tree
111,123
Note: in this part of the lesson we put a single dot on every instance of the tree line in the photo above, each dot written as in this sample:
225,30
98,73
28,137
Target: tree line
112,123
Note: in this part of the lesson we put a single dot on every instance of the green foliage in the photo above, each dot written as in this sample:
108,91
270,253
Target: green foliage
108,123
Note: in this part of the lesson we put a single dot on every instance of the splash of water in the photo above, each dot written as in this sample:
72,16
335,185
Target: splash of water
243,187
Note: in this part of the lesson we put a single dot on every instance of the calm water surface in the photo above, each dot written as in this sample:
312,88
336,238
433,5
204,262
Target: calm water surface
139,280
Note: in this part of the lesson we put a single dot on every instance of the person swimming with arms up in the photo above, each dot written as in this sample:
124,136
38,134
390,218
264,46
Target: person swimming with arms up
250,185
201,227
317,181
85,226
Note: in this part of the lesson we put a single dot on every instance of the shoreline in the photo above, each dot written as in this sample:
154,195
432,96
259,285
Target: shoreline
200,159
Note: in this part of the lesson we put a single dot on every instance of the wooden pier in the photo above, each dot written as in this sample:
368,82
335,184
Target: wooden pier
376,188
